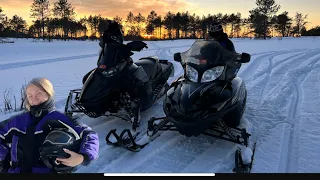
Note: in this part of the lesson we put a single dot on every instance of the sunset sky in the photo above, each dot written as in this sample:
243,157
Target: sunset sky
111,8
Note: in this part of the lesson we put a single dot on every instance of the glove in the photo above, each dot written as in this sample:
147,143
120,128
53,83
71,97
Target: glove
4,166
1,167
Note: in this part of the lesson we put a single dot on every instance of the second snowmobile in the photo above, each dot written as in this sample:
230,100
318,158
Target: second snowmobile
208,99
118,86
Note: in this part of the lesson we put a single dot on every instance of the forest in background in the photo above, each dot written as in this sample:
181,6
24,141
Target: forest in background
59,22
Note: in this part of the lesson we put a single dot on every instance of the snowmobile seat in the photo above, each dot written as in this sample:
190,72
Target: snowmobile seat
150,65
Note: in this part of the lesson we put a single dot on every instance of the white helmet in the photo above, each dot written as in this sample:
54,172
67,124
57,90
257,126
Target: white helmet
215,27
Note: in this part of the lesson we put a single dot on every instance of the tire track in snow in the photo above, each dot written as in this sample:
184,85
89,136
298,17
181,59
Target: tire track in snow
271,67
43,61
269,57
254,114
130,160
286,65
267,71
254,64
53,60
294,112
257,92
289,84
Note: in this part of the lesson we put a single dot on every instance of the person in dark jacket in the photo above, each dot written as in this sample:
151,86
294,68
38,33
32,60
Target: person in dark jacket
22,135
216,32
141,82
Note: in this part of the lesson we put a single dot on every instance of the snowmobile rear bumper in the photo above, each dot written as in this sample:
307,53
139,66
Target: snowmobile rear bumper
74,106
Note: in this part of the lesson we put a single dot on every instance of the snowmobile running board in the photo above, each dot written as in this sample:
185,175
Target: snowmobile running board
128,141
214,131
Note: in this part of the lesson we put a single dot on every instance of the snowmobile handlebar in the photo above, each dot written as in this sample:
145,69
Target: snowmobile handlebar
136,45
244,57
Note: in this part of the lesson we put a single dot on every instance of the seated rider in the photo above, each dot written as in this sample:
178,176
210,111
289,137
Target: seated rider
134,78
216,33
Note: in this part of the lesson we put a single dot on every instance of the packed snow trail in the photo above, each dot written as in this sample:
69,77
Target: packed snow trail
280,113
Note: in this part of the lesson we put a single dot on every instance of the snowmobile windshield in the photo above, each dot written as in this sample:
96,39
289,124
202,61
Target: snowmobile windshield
205,61
205,53
112,55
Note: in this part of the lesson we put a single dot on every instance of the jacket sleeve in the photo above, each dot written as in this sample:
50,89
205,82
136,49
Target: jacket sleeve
4,149
89,147
89,140
230,46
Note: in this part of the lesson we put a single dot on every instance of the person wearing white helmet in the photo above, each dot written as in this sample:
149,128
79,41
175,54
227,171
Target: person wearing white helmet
216,32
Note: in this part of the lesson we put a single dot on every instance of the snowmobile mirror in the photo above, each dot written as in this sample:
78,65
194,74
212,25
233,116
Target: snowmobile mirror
245,57
136,45
177,57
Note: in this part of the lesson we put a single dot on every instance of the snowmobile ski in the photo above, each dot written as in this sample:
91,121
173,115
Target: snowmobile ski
125,140
240,166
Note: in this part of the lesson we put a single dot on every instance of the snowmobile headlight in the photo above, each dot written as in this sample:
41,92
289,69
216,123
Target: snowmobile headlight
191,73
212,74
109,72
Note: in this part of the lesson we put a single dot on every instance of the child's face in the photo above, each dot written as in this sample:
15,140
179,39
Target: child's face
35,95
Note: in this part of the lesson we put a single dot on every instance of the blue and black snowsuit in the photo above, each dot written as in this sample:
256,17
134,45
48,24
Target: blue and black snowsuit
22,136
224,40
233,67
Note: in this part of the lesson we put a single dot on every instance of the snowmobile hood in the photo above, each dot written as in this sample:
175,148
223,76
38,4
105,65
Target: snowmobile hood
98,87
186,99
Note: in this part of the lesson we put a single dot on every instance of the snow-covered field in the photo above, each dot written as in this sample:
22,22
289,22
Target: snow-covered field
282,109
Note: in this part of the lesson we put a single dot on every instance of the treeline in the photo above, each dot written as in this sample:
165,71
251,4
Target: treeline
59,22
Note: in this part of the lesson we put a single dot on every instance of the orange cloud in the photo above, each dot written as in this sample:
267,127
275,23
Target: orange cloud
111,8
106,8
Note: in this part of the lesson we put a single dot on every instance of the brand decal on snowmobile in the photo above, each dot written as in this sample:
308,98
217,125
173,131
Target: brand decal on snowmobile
206,88
202,61
191,93
102,66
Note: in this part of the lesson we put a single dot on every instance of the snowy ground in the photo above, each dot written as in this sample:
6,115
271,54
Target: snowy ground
282,105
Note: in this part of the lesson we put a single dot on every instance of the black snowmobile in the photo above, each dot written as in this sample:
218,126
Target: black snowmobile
112,89
208,99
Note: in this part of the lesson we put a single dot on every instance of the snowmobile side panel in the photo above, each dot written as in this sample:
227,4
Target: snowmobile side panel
150,65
